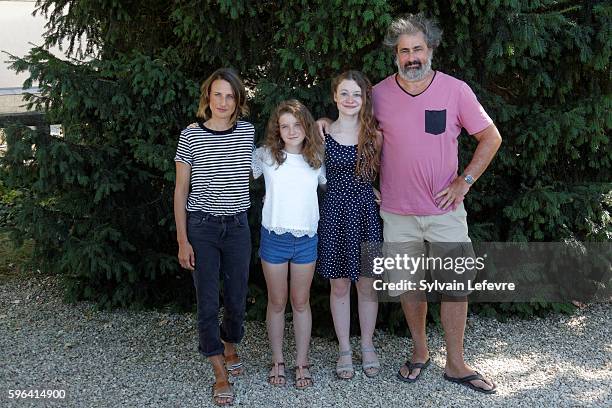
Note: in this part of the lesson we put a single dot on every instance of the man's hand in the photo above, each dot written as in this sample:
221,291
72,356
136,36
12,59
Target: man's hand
192,125
323,126
186,256
489,141
453,194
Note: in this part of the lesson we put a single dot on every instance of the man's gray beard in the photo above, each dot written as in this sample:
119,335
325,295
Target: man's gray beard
409,74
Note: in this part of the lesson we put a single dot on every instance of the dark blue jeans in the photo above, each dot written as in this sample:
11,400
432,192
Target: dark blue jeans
222,245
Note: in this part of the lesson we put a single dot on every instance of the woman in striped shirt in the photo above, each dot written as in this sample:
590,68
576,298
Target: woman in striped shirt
213,163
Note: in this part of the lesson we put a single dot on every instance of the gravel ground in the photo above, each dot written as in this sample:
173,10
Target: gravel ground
125,358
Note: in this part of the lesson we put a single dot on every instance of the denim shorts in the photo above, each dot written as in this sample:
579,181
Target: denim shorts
280,248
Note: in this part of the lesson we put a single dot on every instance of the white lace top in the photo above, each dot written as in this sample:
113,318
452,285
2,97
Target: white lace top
291,203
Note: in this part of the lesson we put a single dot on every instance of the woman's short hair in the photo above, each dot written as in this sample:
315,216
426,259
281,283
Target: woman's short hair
229,75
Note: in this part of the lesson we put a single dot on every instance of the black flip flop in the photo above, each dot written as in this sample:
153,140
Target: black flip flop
412,366
466,381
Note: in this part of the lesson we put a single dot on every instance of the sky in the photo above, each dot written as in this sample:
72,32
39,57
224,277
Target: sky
17,28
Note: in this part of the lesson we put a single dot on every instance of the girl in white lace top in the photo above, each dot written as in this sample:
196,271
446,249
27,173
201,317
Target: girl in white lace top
292,164
291,203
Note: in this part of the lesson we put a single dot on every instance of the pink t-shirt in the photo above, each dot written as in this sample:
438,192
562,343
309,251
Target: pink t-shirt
420,147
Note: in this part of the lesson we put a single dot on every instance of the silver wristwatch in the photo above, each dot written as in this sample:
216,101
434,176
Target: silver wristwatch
469,179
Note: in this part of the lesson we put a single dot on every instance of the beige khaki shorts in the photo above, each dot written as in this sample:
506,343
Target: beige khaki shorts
434,239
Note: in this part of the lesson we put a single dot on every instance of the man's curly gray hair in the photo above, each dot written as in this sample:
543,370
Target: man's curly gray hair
412,24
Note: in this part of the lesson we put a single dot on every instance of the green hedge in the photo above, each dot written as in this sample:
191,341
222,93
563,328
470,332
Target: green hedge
98,201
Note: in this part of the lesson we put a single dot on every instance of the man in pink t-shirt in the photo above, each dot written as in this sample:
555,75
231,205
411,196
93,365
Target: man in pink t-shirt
421,113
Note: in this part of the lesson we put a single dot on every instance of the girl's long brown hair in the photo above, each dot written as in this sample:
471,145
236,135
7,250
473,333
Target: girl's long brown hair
312,150
368,151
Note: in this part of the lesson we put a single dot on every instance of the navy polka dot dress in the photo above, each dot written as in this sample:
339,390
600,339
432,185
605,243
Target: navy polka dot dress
349,214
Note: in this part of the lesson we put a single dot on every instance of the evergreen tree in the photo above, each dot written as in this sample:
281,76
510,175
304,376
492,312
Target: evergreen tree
98,201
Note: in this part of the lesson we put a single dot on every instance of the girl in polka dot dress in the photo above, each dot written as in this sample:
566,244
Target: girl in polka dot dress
349,216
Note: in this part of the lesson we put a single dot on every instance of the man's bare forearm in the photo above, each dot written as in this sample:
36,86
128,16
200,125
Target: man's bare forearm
489,141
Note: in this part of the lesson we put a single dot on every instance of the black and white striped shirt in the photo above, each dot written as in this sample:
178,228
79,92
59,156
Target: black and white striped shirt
220,165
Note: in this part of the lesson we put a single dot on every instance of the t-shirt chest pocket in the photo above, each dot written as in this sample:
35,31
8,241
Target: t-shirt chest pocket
435,121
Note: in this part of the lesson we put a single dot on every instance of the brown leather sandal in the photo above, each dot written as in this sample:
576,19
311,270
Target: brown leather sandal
234,365
277,375
223,390
299,376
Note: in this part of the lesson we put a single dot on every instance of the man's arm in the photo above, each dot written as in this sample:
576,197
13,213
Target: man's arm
489,141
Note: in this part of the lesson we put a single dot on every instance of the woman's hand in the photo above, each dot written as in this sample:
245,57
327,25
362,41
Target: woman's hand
377,194
186,256
181,192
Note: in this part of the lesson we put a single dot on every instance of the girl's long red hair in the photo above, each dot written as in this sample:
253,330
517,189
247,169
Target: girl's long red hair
368,149
312,150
